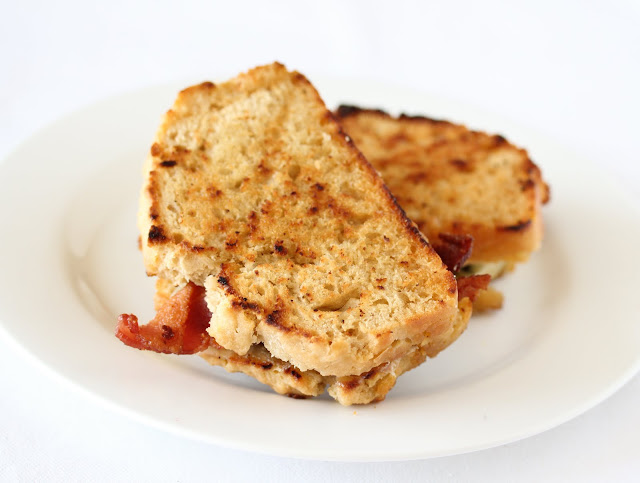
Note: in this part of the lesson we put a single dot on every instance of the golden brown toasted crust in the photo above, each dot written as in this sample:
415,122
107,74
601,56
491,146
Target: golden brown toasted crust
284,378
450,179
374,385
254,192
258,363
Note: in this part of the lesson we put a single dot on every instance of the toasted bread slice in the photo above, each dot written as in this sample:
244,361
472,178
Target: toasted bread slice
253,191
284,378
450,179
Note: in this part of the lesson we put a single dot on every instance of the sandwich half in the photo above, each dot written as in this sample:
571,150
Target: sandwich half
452,180
276,239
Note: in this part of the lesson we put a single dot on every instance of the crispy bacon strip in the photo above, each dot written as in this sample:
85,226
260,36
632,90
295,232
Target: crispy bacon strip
469,286
179,327
453,249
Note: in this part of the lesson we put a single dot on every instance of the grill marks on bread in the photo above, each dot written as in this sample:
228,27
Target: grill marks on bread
450,179
266,185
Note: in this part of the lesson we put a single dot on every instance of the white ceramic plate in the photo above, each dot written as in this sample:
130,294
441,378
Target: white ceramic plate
567,338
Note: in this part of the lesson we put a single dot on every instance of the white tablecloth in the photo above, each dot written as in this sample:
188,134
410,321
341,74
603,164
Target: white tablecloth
570,70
